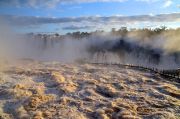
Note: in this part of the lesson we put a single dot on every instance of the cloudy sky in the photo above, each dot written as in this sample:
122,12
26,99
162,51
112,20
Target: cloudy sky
87,15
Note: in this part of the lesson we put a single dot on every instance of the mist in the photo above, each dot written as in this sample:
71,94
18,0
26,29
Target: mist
137,47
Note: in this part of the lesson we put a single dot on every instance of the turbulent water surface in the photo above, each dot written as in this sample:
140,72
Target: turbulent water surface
54,90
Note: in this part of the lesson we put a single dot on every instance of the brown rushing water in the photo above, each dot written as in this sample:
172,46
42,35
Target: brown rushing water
52,90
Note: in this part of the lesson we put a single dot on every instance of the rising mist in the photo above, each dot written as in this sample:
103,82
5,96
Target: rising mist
156,48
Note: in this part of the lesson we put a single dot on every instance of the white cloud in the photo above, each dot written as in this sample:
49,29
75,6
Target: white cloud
90,23
167,3
26,21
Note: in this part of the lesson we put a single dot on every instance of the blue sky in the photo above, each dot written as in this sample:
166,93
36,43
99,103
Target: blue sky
87,9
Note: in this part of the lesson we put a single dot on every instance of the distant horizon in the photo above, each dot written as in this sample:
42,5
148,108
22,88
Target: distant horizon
108,31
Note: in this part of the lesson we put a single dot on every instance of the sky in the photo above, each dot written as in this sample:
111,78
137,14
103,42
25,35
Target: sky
64,16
